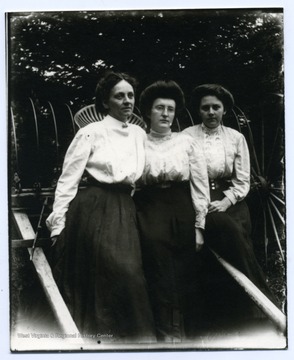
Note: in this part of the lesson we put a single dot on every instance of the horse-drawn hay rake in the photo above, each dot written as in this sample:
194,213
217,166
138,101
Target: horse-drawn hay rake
39,139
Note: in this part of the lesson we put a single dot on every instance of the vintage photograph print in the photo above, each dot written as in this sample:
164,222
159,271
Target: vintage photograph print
147,180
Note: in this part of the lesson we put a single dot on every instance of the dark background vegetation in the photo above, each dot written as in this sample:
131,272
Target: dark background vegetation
56,58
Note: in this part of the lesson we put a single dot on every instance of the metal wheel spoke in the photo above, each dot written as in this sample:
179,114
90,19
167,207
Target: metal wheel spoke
278,199
262,142
280,189
265,234
277,211
275,231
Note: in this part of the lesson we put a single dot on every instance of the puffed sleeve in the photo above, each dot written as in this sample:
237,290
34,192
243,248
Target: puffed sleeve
73,168
199,184
241,173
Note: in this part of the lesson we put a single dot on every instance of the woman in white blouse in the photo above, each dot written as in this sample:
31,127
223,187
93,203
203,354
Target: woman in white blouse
228,223
171,210
99,268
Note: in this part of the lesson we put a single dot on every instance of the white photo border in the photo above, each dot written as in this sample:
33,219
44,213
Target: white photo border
56,5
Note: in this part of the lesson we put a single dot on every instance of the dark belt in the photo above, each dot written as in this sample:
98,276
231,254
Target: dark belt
221,184
113,186
217,187
168,185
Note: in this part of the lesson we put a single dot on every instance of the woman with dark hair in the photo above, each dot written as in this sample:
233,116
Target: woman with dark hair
99,267
171,210
228,223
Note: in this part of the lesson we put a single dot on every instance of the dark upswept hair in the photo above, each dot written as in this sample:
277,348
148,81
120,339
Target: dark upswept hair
216,90
165,89
106,83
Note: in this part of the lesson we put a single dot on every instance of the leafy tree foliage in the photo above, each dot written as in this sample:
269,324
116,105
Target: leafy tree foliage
67,51
59,56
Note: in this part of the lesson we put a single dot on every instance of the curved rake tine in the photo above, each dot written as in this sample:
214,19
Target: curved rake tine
38,157
236,117
190,116
251,141
275,231
253,171
71,117
277,198
178,124
55,129
36,124
139,115
138,112
277,211
273,146
14,138
277,132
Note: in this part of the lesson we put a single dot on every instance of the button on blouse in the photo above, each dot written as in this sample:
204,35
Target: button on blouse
214,152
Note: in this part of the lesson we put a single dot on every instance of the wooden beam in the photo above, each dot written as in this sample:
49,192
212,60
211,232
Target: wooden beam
26,243
44,272
272,312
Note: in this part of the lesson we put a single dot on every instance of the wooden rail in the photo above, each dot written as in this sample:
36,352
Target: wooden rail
28,243
272,312
61,311
44,272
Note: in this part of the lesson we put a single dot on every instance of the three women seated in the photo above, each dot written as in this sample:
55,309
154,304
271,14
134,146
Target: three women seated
133,266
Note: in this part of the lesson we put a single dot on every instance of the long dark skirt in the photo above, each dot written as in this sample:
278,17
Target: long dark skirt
228,233
166,222
98,267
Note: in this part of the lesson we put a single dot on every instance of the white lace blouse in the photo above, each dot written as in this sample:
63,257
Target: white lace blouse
227,157
106,150
175,157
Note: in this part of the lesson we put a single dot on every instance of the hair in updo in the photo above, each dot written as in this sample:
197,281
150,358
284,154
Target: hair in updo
216,90
106,84
165,89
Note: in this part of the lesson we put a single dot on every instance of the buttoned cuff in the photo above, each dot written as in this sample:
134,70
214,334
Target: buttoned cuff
200,220
230,196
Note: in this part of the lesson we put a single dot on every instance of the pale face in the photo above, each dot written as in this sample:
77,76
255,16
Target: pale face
162,114
211,111
121,101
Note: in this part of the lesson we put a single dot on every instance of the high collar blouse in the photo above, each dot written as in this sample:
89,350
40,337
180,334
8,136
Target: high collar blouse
227,157
214,152
175,157
108,151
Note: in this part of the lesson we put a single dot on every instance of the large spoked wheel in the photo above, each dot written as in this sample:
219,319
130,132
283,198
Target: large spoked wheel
267,195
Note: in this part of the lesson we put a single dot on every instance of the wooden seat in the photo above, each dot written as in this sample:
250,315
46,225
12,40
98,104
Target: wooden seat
88,114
